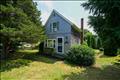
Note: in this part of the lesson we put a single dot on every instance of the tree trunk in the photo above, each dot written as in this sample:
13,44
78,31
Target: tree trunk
6,48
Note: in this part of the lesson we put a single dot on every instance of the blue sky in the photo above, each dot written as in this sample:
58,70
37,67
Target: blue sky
72,10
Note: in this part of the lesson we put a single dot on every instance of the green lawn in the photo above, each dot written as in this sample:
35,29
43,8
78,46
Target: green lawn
29,66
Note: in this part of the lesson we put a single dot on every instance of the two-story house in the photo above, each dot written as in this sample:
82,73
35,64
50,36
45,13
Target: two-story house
61,33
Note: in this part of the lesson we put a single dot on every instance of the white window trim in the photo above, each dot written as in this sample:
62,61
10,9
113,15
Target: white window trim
56,27
52,43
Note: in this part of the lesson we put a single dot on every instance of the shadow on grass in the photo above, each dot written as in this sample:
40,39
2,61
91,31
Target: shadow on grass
20,59
70,64
111,72
7,65
105,56
40,58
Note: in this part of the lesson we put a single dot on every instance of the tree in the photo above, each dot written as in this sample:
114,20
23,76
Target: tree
105,22
20,21
90,39
99,43
94,41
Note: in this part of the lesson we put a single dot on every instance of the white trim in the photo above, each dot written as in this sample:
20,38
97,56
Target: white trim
62,45
45,43
52,43
61,16
56,26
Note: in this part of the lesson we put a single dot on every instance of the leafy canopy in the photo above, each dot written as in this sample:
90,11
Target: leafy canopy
105,21
21,20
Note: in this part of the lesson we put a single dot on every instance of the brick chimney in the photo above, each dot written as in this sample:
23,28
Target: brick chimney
82,31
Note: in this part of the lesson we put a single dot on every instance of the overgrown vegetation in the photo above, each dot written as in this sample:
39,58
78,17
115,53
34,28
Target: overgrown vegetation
92,40
27,65
46,51
49,51
118,52
105,23
20,22
81,55
41,48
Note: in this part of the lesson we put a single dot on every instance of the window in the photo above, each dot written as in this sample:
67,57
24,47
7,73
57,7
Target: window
55,26
51,43
66,39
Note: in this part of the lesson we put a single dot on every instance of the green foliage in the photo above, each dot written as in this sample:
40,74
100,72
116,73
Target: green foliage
99,43
85,43
81,55
49,51
110,51
41,47
9,64
105,22
118,51
88,37
92,40
20,22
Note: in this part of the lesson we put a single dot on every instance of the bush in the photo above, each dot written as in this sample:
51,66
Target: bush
118,51
85,43
41,47
110,51
49,51
81,55
99,44
110,47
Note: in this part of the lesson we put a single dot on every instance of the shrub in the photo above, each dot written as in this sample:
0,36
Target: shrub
85,43
110,51
118,52
49,51
99,44
41,47
81,55
110,47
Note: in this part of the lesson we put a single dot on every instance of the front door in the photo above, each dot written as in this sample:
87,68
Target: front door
60,44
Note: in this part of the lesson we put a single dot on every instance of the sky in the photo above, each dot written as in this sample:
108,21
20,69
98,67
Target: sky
72,10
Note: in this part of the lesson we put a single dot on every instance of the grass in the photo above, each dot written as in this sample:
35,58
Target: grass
29,66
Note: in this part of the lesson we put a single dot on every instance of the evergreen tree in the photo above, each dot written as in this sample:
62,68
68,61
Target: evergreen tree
105,21
99,43
20,21
93,41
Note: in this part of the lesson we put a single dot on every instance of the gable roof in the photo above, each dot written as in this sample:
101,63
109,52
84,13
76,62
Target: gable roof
73,26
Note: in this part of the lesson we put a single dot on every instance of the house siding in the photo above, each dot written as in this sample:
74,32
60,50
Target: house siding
64,30
74,40
66,45
64,26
